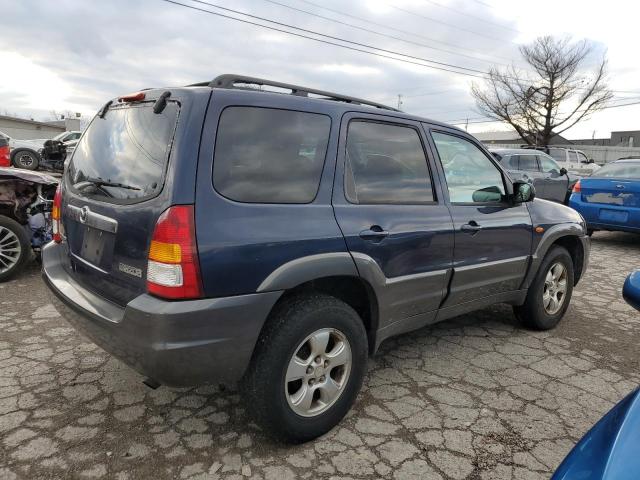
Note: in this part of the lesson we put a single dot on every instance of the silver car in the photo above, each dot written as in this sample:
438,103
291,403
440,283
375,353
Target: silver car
551,181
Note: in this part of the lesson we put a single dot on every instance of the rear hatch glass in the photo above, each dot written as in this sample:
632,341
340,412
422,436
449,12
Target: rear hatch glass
111,200
123,156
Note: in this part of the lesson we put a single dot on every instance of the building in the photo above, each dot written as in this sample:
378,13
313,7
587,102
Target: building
622,138
23,129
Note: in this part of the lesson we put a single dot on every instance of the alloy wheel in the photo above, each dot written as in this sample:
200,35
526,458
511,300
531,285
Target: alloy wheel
318,372
10,249
555,288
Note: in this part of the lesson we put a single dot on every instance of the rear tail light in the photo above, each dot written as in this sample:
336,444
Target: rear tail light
5,159
173,270
56,216
577,188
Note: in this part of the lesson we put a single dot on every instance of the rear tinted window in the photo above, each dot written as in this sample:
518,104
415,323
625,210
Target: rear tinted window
620,170
386,164
265,155
123,156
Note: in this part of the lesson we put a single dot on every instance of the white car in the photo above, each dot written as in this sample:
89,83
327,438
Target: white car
26,153
575,161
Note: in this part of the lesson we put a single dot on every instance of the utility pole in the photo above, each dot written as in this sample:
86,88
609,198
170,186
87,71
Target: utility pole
466,125
399,101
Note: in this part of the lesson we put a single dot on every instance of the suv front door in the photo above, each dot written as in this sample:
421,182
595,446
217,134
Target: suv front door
390,209
492,235
556,185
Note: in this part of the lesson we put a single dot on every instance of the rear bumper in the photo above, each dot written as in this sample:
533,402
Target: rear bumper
592,215
175,343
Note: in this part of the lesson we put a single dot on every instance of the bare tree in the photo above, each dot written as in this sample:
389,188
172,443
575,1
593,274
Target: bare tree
554,97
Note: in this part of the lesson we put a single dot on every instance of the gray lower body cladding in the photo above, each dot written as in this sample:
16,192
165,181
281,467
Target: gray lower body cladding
175,343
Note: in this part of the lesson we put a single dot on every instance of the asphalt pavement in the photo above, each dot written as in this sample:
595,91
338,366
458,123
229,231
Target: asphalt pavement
476,397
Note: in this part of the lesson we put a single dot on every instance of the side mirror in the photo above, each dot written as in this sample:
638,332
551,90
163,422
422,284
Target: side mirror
591,160
523,192
563,171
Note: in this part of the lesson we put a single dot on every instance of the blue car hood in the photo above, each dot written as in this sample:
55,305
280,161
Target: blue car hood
611,449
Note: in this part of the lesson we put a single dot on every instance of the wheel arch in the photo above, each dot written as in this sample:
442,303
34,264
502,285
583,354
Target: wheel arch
351,289
15,151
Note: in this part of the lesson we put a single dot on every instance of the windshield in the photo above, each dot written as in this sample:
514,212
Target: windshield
620,170
123,156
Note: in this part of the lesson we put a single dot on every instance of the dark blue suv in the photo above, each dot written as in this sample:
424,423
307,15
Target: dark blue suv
221,232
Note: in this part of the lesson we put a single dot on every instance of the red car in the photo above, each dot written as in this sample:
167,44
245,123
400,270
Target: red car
5,158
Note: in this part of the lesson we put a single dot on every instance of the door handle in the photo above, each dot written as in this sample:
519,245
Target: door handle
471,228
375,233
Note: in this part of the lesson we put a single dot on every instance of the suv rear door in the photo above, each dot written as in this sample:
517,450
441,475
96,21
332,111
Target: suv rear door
121,177
389,206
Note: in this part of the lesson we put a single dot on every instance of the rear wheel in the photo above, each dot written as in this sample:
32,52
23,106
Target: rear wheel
26,159
307,368
550,293
14,247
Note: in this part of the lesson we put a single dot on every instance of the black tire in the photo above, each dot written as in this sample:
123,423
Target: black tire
590,231
263,387
8,226
26,159
533,313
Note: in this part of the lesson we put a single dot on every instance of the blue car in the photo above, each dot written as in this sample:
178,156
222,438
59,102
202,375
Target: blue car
631,290
610,198
609,451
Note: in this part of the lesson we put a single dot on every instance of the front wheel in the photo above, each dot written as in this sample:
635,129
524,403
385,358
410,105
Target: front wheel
550,292
307,369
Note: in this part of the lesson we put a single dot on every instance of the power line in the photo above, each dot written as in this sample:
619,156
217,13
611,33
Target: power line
192,7
413,34
440,65
472,16
359,44
374,32
480,119
435,20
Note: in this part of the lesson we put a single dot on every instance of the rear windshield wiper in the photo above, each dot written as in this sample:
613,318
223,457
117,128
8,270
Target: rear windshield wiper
98,182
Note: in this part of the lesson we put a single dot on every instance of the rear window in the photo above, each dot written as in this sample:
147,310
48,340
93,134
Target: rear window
123,156
266,155
558,154
620,170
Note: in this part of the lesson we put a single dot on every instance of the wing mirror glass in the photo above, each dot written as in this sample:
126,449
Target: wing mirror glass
523,192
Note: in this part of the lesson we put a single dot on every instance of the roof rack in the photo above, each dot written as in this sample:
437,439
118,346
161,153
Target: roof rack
230,81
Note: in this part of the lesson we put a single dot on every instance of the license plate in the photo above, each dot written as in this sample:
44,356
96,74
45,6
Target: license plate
93,245
613,216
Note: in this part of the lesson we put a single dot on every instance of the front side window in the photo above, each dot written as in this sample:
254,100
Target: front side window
471,176
385,164
267,155
548,165
573,156
582,157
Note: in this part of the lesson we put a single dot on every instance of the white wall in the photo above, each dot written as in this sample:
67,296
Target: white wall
27,131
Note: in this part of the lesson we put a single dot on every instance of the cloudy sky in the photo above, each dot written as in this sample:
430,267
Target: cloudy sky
73,55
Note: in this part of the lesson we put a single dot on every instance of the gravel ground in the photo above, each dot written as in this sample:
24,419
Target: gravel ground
476,397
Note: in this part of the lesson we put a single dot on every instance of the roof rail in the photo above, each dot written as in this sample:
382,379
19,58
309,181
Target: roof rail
230,81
